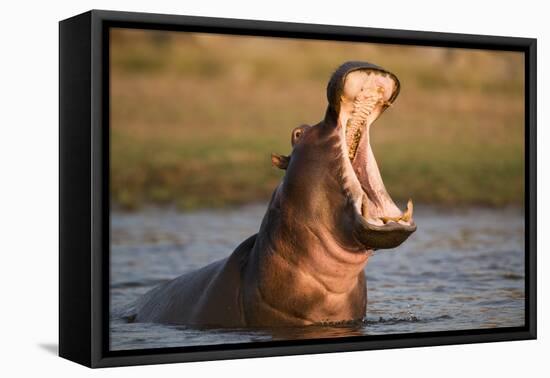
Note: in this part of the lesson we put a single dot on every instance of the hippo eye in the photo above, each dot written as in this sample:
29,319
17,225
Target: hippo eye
297,133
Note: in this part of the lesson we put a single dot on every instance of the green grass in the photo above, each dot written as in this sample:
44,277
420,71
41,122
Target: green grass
195,118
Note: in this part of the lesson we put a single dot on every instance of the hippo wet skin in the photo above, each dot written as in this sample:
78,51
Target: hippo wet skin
326,217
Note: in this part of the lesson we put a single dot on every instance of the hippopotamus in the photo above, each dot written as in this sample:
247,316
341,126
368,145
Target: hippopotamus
329,213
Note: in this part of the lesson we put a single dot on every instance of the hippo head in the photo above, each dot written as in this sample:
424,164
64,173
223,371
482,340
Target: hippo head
332,182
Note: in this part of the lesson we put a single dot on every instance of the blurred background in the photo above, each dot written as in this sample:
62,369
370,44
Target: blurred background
195,117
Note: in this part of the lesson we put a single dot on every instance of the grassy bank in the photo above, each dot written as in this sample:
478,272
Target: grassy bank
195,118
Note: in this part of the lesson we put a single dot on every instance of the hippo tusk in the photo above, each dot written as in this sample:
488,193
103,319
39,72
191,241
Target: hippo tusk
405,217
364,207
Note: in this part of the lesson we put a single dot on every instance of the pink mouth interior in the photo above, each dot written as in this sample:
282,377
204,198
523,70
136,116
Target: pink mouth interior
366,94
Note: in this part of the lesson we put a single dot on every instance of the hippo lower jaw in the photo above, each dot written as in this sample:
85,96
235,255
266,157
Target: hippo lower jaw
378,222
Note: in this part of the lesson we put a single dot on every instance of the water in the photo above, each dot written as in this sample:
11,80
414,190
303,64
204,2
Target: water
462,269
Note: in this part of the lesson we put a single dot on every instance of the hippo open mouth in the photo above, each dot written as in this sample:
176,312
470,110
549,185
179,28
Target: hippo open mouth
364,94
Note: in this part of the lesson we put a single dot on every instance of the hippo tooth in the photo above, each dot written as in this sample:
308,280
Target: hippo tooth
364,206
390,219
364,104
407,217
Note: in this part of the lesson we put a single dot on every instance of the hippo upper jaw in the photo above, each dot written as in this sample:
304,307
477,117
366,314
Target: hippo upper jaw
363,96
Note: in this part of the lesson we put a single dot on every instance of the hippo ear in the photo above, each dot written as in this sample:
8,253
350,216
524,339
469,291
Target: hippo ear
280,161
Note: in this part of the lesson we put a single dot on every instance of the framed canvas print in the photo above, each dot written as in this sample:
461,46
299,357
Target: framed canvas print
234,188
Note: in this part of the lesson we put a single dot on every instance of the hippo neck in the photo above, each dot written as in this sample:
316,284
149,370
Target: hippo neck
304,275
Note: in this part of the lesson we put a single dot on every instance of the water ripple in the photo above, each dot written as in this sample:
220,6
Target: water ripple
462,269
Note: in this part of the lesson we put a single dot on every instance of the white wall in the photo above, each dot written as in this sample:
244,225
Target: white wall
28,199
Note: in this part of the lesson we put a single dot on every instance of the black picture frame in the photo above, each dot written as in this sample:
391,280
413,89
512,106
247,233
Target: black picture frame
84,187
